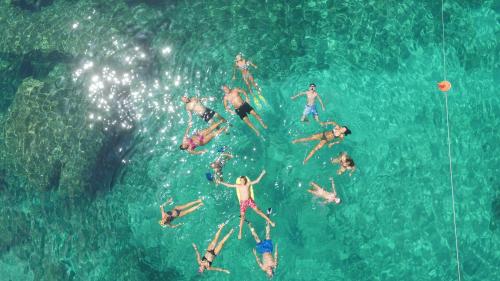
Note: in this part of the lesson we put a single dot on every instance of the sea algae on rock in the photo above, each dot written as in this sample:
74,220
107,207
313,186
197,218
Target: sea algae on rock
46,143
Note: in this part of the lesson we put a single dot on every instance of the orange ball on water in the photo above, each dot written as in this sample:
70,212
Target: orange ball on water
444,86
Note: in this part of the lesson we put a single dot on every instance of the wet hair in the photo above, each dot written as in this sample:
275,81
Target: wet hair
312,84
347,131
349,161
243,178
182,147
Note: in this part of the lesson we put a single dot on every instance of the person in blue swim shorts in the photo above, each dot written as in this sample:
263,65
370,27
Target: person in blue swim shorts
310,108
269,262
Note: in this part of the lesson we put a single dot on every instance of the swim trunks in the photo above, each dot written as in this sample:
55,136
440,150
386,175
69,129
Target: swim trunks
265,246
310,109
243,110
247,203
208,114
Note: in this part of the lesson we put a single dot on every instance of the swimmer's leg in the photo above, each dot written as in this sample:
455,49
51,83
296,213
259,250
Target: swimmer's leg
212,244
242,219
190,210
212,135
212,127
268,231
260,213
249,123
257,116
313,151
222,242
311,138
254,234
219,117
182,207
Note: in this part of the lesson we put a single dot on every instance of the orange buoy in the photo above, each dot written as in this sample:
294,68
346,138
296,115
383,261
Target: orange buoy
444,86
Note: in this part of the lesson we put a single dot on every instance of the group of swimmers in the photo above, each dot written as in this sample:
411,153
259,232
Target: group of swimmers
244,185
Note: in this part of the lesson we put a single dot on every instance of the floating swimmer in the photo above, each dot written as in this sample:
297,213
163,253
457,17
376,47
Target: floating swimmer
217,166
338,132
244,191
244,66
444,86
177,212
329,197
195,105
200,138
265,248
345,162
241,106
310,108
213,251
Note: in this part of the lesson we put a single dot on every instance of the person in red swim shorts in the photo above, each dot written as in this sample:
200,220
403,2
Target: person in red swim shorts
243,187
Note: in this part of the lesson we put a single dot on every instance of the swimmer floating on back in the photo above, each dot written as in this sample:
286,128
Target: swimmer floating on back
310,108
245,198
200,138
265,248
329,197
217,166
177,212
338,132
345,162
244,66
213,250
195,105
241,106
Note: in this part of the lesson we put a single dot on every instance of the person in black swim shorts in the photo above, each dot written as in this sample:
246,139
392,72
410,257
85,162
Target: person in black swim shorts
242,107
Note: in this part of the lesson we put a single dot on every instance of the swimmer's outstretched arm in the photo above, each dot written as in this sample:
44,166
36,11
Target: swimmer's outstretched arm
175,225
259,178
328,123
298,95
333,187
234,70
198,259
276,255
227,184
257,259
333,143
321,102
252,64
197,152
218,269
228,155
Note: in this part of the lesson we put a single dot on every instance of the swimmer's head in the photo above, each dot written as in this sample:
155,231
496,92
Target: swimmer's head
269,272
349,162
239,56
312,86
183,147
346,130
225,89
243,180
185,99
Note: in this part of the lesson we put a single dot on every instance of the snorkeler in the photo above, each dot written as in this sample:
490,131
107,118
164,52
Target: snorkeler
241,106
195,105
329,197
338,132
265,248
310,108
217,166
345,162
177,212
200,138
244,190
213,250
244,66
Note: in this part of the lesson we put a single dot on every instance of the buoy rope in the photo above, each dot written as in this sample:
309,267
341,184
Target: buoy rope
449,149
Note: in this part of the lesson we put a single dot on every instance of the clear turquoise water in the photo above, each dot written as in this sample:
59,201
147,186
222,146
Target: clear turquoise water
376,65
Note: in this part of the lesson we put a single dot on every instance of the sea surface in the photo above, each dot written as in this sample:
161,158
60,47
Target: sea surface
91,121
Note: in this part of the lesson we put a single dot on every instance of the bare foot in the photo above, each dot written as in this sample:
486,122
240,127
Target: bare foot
272,223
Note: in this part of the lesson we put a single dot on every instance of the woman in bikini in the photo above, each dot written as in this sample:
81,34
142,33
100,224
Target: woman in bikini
329,197
177,212
205,263
345,162
338,132
200,138
244,66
